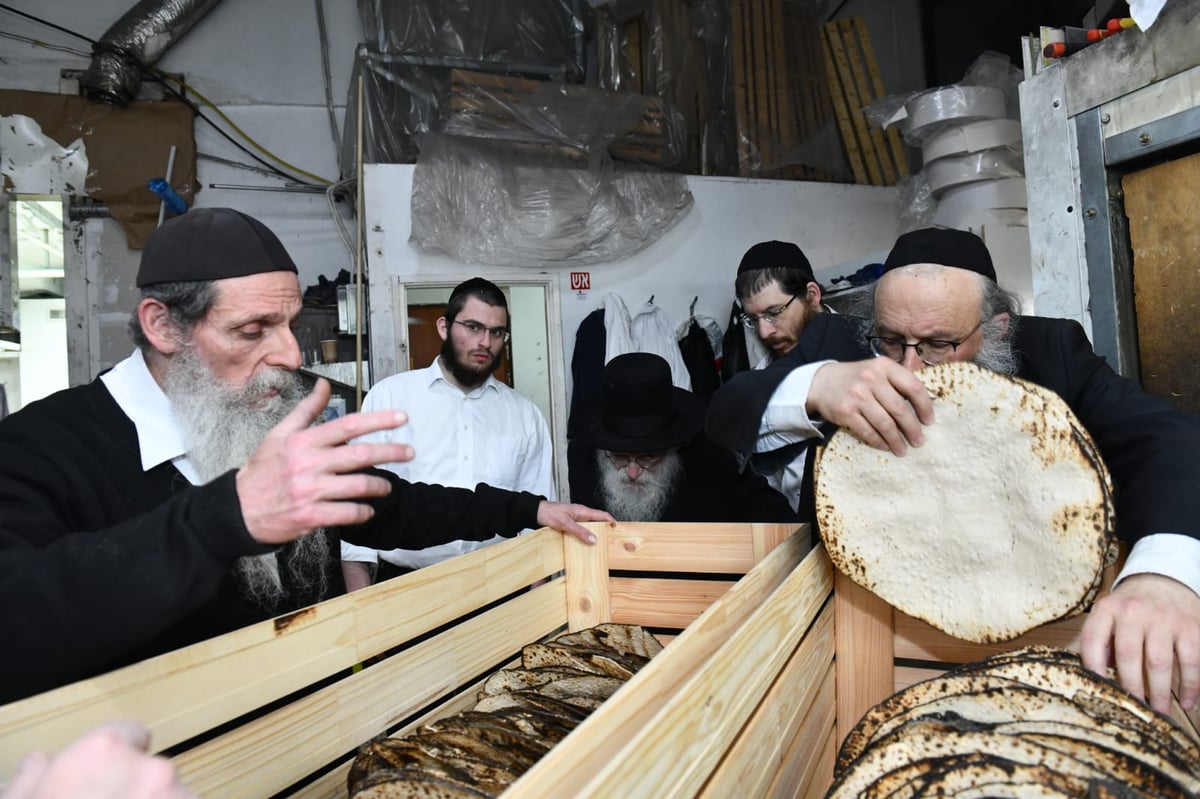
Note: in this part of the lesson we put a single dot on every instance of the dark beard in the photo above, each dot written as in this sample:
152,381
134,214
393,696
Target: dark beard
465,375
223,425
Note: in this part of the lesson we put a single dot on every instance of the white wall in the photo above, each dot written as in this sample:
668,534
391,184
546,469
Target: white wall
838,226
257,60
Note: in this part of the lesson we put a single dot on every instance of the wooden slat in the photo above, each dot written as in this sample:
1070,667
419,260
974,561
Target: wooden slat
574,761
662,602
675,755
910,675
268,754
853,46
917,640
587,590
899,157
864,651
675,547
841,112
741,82
807,766
853,102
275,658
828,756
754,762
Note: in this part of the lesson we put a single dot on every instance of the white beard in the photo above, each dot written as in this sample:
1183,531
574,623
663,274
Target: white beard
641,500
223,425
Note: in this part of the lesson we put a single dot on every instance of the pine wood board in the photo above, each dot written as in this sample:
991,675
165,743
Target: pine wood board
261,757
864,651
765,748
816,789
808,763
698,722
854,103
664,602
714,548
854,45
917,640
840,110
899,157
574,761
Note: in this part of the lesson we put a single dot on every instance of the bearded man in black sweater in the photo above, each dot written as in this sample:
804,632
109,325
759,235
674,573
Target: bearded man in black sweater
186,493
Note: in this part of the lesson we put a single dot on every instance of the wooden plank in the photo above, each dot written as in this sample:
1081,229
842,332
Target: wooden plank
785,127
864,651
740,89
676,754
917,640
764,747
858,123
766,536
807,767
266,755
587,579
575,760
662,602
893,134
910,675
827,758
841,112
854,47
679,547
278,657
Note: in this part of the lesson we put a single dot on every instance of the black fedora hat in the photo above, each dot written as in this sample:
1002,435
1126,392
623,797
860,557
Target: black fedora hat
638,408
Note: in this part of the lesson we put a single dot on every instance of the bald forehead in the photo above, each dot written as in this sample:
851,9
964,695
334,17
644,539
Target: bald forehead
935,298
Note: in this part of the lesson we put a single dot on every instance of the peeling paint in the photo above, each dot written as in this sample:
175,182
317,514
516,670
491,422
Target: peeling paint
36,164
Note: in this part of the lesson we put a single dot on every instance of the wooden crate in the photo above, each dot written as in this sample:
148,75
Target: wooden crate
750,699
262,710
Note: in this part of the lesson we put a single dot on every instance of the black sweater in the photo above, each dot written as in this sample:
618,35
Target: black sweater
102,564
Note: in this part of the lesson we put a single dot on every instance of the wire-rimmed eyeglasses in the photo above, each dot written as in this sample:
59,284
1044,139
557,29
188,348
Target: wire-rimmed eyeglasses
477,330
621,460
770,316
929,350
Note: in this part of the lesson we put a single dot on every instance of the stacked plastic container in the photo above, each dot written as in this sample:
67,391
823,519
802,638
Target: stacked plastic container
971,155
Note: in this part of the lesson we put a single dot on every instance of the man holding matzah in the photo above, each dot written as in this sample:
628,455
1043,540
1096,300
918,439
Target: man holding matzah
936,302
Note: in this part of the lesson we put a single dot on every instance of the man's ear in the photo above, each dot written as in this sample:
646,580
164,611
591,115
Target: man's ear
1003,318
158,327
443,327
813,295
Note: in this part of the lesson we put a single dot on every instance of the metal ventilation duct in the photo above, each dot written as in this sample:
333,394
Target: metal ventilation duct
138,38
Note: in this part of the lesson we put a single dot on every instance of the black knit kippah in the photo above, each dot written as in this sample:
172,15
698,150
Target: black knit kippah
767,254
944,247
211,244
475,284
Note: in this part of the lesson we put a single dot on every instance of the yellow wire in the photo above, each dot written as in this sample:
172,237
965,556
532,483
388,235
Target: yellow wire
240,132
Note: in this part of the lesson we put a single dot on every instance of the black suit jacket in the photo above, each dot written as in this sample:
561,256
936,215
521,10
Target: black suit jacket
1151,447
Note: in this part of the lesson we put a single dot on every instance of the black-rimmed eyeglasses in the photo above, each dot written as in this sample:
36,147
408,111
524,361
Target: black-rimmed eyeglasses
929,350
770,316
621,460
477,330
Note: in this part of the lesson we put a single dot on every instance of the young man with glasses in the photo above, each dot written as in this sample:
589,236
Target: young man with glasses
938,300
639,452
778,294
465,425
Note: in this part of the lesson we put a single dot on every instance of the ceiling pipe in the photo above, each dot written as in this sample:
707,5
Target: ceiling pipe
136,40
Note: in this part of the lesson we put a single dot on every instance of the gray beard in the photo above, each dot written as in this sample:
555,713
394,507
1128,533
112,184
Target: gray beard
223,425
996,353
641,500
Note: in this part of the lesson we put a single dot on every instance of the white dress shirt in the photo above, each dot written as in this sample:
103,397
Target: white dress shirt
786,422
139,397
491,435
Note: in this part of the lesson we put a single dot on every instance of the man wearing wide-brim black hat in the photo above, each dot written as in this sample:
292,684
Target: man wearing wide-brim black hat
639,452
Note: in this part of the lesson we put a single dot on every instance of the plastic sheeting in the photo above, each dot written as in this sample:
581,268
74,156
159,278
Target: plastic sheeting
483,202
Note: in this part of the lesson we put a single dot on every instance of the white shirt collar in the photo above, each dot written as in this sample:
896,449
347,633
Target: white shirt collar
437,372
139,396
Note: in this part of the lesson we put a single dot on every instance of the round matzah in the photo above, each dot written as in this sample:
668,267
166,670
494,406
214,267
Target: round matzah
1000,522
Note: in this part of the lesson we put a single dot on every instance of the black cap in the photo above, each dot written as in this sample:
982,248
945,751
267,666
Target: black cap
944,247
767,254
476,284
211,244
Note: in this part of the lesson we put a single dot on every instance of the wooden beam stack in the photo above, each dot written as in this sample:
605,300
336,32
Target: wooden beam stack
876,158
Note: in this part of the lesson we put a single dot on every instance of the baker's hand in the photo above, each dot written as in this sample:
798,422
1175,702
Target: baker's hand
303,477
1149,627
877,401
566,517
108,762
